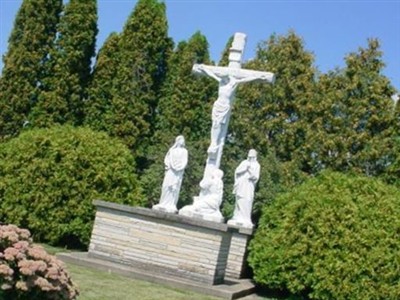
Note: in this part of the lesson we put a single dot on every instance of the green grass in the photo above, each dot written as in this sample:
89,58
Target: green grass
99,285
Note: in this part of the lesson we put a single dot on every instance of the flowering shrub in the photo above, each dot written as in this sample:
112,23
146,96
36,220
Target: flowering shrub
27,271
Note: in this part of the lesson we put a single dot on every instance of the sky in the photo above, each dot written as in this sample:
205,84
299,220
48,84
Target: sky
331,29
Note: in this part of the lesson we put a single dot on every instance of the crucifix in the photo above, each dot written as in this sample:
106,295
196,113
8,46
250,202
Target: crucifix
228,78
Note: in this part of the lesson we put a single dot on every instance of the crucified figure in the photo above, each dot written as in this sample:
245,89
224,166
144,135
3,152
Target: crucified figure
228,82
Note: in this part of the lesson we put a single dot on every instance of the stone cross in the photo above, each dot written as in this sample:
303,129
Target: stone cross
229,78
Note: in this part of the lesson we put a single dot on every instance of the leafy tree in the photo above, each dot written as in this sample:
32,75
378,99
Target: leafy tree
69,67
140,71
353,123
185,109
275,115
270,118
392,172
28,50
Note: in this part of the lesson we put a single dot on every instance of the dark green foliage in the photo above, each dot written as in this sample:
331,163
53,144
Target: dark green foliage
69,67
275,177
353,121
138,71
98,109
185,108
28,48
334,237
224,61
259,119
392,172
274,116
49,178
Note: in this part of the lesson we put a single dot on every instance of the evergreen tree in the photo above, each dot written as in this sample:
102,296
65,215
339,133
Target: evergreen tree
28,50
354,123
69,67
185,108
224,61
140,69
98,111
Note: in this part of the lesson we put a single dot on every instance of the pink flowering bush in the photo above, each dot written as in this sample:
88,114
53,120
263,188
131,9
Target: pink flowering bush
27,271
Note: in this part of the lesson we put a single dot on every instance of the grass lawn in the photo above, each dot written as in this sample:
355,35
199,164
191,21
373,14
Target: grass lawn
99,285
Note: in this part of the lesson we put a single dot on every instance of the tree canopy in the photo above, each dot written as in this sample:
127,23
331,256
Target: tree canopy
141,90
69,66
24,69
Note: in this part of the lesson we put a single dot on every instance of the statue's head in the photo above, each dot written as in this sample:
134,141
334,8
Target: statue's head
252,155
180,140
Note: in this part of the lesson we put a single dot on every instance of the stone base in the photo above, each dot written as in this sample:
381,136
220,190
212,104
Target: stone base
172,244
164,209
212,218
229,289
239,224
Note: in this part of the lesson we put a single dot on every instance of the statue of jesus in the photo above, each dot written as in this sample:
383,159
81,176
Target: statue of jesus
222,106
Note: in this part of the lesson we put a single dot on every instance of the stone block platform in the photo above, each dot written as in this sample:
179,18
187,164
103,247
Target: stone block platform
230,289
168,248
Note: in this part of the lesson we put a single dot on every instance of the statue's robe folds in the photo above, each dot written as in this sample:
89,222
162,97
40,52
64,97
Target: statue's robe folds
246,177
175,162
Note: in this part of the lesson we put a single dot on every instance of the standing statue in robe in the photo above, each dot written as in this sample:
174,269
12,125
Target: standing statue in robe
175,163
246,177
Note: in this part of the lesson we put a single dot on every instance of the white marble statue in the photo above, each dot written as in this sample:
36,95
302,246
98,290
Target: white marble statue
229,78
206,205
228,82
175,163
246,177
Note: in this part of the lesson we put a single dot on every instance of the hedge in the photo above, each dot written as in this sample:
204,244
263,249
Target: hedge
335,237
49,178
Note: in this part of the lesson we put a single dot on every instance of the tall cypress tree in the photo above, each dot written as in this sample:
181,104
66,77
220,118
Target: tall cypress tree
184,108
28,50
141,61
69,67
98,110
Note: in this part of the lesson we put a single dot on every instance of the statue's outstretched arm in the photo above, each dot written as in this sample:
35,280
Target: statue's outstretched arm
199,68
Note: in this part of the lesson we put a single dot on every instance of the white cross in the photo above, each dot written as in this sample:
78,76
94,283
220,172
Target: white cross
229,78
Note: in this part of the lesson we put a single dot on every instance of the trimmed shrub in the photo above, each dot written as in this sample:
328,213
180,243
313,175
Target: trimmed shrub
27,271
49,178
334,237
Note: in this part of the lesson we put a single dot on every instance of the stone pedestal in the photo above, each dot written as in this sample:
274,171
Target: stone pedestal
165,243
238,252
213,218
